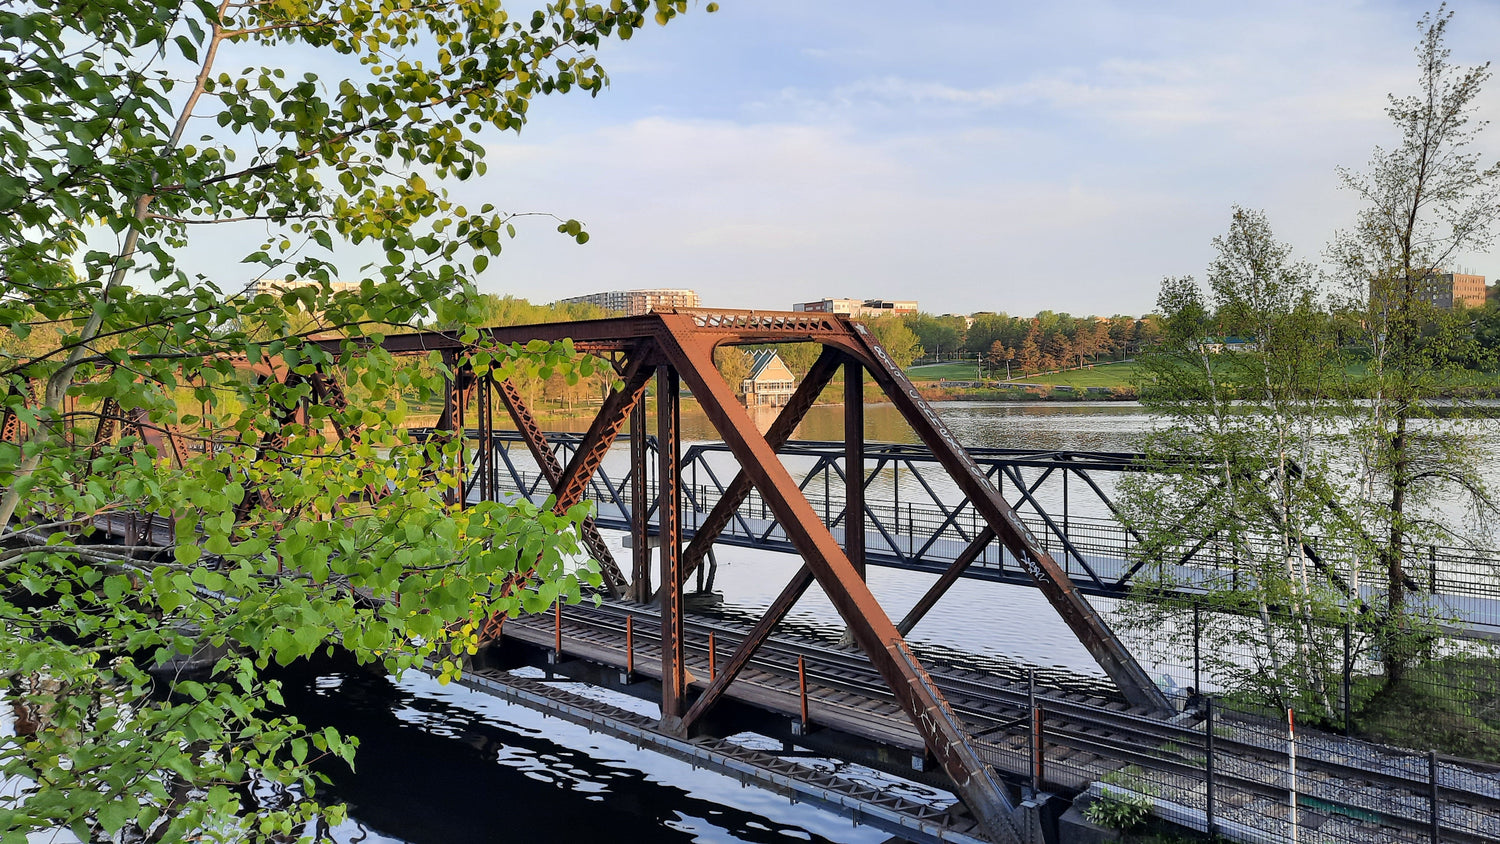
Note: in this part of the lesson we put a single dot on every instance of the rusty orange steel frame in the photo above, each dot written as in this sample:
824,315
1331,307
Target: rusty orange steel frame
676,347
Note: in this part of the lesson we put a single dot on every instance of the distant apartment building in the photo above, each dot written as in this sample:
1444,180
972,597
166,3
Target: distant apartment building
859,308
1445,290
637,302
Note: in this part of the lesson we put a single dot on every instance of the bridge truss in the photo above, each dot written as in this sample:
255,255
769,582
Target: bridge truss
676,350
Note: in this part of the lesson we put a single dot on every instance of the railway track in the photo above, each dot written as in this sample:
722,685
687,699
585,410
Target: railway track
1085,738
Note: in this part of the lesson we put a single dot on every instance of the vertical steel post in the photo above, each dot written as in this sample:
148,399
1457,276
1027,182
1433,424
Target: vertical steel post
640,498
802,690
854,464
629,646
669,516
1208,764
827,497
1432,796
713,658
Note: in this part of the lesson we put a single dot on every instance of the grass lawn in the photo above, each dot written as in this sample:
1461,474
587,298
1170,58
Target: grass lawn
954,370
1119,374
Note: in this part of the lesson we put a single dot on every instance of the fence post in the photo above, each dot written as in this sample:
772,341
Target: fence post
1348,673
1031,709
1432,794
1432,568
1197,647
1208,765
1038,750
1291,767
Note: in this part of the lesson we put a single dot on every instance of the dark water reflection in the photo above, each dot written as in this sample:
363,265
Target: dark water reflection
443,764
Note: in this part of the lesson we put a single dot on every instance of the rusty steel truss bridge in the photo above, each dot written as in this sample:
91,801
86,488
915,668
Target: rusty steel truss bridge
986,740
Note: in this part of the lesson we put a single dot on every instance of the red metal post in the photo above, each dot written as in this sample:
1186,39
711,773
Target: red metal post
669,514
557,628
713,657
629,645
1038,750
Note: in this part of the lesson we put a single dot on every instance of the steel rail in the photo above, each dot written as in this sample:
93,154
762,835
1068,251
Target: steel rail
1071,728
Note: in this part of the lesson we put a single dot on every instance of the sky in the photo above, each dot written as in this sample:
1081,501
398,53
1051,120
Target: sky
970,155
973,155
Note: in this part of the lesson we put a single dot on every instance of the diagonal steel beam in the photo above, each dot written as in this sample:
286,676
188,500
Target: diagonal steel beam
708,531
602,431
541,452
1050,578
970,553
941,731
749,645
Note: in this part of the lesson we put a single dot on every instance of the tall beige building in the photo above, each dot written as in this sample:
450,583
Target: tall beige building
637,302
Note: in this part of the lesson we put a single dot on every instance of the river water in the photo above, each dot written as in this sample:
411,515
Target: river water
443,764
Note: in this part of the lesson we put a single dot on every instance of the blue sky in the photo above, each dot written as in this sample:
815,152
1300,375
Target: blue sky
970,155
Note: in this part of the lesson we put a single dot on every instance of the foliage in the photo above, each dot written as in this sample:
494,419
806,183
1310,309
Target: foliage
1125,807
734,365
1300,448
1448,703
938,335
302,528
1242,473
901,342
1426,201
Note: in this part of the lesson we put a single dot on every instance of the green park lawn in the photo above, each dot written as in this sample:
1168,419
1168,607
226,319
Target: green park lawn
1115,374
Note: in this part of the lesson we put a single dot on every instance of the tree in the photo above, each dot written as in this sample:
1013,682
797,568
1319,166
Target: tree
1427,200
1001,356
734,365
1242,472
1029,356
937,335
903,345
121,130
